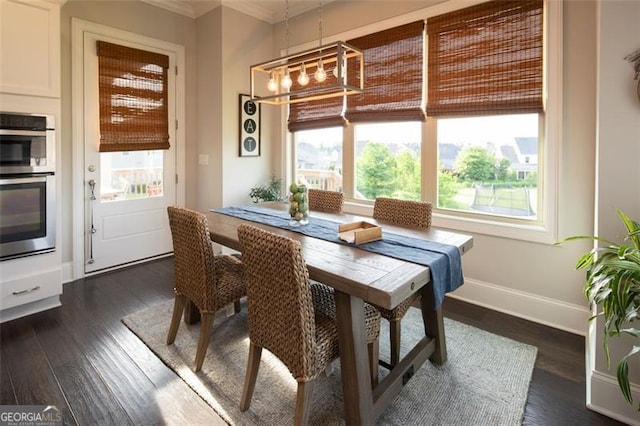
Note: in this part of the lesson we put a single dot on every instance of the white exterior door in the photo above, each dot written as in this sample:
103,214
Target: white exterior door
126,194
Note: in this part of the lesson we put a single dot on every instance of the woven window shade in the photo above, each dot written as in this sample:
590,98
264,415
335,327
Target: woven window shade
133,99
486,59
316,114
393,76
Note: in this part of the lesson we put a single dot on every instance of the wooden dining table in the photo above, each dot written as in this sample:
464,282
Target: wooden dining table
360,276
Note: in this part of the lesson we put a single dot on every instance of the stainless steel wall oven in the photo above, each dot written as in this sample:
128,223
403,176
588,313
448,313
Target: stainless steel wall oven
27,185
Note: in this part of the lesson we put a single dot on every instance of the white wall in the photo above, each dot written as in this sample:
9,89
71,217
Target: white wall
618,179
246,41
229,42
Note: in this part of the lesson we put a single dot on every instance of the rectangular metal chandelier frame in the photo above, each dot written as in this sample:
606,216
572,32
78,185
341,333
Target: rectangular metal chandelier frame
333,56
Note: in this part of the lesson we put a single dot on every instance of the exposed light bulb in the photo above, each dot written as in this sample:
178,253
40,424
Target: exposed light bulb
321,74
272,85
335,69
303,78
286,80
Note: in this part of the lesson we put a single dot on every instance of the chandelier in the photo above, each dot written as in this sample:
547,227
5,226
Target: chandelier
316,73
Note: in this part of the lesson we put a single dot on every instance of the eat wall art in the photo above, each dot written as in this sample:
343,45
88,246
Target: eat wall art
249,127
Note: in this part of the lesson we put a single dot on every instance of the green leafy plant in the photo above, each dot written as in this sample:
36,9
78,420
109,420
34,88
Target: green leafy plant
613,284
269,192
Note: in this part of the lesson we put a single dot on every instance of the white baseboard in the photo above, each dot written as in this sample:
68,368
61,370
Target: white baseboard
564,316
603,391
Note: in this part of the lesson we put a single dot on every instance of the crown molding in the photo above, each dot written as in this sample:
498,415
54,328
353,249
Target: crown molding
274,12
270,11
255,9
175,6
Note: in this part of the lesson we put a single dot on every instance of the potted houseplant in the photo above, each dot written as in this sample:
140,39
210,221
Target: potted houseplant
268,192
613,284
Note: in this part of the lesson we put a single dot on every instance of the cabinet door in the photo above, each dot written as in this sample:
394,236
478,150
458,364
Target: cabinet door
30,47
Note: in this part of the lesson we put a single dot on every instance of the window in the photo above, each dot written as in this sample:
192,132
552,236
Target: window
128,175
388,160
381,119
319,158
487,153
489,164
485,71
134,129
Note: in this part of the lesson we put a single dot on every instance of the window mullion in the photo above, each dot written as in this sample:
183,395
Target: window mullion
348,162
429,162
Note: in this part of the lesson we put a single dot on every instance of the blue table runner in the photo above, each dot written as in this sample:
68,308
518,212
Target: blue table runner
442,259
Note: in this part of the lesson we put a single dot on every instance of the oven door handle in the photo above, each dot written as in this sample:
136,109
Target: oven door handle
26,179
23,132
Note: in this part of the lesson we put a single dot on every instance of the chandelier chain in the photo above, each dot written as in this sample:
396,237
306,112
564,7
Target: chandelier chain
320,23
286,25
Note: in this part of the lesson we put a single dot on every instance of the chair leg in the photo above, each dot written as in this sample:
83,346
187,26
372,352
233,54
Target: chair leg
178,307
303,400
253,363
191,313
236,306
374,356
206,321
394,334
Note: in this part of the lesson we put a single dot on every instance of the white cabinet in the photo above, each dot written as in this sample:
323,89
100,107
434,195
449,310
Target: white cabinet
29,285
30,83
31,288
30,47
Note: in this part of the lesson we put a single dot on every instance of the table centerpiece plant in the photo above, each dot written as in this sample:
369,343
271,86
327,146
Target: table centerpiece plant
613,284
267,192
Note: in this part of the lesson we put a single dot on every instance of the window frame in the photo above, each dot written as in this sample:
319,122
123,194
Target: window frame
544,228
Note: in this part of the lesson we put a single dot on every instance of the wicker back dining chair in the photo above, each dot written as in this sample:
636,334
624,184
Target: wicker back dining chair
209,281
415,214
289,316
325,201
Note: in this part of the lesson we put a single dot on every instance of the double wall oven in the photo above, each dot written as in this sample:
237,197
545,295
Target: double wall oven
27,185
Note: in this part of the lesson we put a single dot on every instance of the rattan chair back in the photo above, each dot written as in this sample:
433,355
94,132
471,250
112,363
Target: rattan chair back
208,281
280,304
403,212
325,201
193,257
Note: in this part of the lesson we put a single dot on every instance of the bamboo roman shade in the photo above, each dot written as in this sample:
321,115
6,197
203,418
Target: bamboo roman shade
133,99
393,76
486,59
316,114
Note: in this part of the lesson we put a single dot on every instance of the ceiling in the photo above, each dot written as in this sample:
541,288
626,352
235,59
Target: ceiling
270,11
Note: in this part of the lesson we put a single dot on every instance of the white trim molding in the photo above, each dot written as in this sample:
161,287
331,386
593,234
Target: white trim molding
561,315
78,29
603,391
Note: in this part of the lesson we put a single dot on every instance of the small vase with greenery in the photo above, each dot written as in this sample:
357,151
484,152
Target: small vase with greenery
269,192
613,284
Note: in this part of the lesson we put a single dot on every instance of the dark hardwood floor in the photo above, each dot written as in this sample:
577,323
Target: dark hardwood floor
81,358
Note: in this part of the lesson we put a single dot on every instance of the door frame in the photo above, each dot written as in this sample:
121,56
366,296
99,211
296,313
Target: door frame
78,29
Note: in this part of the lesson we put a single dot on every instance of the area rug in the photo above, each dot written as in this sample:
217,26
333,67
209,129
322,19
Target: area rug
484,382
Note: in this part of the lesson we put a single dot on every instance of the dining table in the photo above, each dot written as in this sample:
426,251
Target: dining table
358,275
